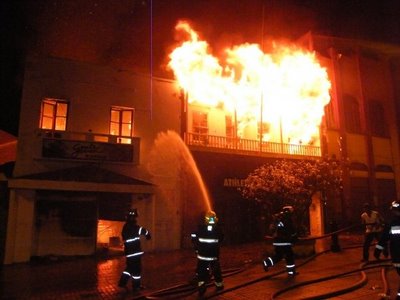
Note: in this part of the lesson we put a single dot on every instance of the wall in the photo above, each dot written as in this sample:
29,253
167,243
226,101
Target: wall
91,91
19,227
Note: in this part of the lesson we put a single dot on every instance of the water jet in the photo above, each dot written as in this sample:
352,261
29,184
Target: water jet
170,162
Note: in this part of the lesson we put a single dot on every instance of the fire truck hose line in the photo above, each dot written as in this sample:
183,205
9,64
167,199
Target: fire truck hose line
353,287
189,289
245,284
186,288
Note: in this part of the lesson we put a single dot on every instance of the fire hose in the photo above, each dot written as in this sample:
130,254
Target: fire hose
283,271
353,287
182,290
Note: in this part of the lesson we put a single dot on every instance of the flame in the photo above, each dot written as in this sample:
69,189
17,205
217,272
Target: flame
288,86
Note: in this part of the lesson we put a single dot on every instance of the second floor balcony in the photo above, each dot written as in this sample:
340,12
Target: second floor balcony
89,146
247,146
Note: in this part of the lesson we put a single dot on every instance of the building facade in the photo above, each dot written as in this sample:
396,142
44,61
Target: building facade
361,123
95,141
80,162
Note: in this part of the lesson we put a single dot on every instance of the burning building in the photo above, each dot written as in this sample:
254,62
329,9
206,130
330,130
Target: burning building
95,141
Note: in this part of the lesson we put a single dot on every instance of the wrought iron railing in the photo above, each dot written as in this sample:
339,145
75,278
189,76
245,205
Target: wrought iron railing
237,145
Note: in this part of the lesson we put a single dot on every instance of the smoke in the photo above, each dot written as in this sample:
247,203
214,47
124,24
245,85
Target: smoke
126,32
123,34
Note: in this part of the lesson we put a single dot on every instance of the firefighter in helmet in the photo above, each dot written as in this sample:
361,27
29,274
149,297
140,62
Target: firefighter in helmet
207,241
284,236
391,235
131,233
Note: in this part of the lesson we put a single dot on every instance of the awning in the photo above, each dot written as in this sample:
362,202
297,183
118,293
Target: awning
8,147
86,178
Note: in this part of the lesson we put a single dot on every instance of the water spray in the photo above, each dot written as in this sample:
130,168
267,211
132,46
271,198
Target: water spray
170,159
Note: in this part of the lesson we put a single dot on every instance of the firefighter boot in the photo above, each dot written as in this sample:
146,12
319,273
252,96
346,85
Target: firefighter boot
121,284
123,280
265,264
136,286
291,270
292,273
201,286
219,285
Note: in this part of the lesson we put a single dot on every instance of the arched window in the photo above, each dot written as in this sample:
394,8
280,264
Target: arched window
358,166
383,168
352,114
377,119
330,119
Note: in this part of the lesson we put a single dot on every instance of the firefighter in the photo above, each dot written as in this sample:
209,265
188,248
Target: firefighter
391,234
131,233
284,236
207,241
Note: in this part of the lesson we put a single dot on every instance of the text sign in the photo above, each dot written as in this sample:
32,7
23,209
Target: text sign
83,150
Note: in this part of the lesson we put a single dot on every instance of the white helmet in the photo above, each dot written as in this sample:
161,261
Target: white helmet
395,206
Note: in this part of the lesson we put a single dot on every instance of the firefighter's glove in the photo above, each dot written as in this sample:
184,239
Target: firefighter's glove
148,236
377,253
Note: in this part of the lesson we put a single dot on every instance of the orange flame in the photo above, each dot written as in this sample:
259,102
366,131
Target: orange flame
288,85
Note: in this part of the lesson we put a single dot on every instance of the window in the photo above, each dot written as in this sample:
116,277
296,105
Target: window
330,119
377,119
230,127
262,131
200,126
352,114
121,123
53,114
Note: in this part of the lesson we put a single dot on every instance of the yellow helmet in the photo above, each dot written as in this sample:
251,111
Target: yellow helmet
210,218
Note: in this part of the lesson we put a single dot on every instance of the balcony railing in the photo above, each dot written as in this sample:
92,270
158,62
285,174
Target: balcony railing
239,145
86,136
89,146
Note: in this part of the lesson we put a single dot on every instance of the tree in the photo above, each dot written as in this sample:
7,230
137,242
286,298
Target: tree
292,182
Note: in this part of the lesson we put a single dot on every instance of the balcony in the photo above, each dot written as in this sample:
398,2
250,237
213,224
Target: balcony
89,146
248,147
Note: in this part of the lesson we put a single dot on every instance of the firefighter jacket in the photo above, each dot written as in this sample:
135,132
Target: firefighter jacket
207,241
284,232
131,233
391,233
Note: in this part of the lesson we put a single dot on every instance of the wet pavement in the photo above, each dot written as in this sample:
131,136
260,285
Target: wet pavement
97,277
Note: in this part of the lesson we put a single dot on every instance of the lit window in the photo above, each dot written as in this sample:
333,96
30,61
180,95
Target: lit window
121,123
330,119
53,114
200,126
230,130
230,127
262,130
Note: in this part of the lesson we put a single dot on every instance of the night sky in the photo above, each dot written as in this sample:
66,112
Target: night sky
117,32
